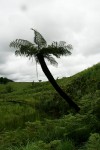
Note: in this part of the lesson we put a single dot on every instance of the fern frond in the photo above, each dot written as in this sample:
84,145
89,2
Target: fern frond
39,40
51,60
19,42
24,48
57,49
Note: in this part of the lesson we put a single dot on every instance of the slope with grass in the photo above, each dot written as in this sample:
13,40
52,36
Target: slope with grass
34,116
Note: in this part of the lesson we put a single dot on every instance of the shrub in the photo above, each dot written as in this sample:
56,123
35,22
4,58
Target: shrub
93,142
9,89
66,145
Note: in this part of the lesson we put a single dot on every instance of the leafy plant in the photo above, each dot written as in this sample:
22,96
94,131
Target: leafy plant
93,142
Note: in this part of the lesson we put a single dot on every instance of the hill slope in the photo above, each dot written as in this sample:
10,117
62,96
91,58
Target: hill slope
34,116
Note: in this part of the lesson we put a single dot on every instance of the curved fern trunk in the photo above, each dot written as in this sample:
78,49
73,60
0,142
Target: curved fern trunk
54,84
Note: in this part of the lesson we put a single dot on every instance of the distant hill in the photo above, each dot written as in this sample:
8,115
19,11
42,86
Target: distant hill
5,80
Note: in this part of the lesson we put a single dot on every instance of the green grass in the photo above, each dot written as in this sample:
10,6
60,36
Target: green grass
34,116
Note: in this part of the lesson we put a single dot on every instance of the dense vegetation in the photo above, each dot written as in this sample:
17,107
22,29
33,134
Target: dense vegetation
34,117
4,80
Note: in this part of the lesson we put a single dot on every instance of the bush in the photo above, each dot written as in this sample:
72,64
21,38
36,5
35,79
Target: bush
93,142
67,145
9,89
40,145
79,135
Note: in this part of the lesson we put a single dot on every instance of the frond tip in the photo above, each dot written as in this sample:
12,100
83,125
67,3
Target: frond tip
39,39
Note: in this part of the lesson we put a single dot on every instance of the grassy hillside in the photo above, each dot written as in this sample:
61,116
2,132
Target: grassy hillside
34,116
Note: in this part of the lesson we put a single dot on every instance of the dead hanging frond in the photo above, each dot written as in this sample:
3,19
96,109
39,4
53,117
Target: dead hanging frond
37,70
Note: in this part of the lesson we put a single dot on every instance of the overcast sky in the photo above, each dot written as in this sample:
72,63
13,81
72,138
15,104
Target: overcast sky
75,21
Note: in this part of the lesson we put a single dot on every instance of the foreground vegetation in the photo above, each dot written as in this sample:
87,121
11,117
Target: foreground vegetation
34,117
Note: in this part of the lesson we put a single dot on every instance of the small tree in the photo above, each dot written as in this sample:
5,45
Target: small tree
40,50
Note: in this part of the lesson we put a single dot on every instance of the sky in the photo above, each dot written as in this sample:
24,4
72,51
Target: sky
75,21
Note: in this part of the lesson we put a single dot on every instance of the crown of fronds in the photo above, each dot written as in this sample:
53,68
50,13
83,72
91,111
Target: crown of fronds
28,49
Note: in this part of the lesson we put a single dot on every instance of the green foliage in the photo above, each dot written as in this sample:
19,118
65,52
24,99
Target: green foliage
93,142
33,116
9,88
66,145
53,145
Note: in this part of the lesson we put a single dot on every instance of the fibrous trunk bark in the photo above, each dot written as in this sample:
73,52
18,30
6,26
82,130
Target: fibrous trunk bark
54,84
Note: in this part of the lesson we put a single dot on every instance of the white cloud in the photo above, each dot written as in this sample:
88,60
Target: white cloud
77,22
